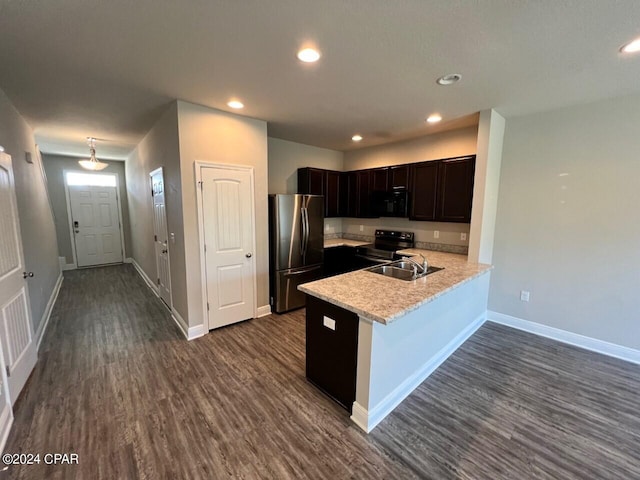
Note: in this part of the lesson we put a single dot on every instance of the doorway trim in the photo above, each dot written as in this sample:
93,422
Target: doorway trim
70,217
198,166
151,174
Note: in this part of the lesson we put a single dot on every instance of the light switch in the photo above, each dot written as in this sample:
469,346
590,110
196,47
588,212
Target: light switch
329,323
463,236
436,234
173,237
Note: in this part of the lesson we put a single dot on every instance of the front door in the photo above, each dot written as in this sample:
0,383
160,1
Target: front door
227,208
160,236
96,224
16,331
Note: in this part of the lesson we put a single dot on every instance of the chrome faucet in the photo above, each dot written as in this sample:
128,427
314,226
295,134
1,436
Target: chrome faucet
422,266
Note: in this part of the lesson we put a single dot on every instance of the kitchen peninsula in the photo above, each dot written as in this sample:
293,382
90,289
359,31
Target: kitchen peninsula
386,335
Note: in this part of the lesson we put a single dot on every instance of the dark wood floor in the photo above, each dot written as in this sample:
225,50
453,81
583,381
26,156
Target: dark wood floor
117,384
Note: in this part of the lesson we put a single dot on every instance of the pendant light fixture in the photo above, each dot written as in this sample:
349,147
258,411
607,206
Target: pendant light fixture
92,163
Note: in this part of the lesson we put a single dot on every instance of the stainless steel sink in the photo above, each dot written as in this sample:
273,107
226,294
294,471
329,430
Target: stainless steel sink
401,270
395,272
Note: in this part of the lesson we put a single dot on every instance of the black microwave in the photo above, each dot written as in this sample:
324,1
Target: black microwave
392,204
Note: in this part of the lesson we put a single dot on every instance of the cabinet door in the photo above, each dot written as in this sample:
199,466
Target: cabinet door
380,180
332,350
399,177
352,194
424,182
455,189
311,181
364,208
332,194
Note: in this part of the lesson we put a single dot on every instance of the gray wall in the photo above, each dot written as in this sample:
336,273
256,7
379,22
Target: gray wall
286,157
568,227
159,148
55,165
36,220
215,136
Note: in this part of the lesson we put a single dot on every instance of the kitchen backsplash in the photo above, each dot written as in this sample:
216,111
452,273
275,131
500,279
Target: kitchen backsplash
449,233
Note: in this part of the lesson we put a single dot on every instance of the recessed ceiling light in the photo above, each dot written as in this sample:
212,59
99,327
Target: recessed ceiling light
356,138
632,47
434,118
449,79
308,55
235,104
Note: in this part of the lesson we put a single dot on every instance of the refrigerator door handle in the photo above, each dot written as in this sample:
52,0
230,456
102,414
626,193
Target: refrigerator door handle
305,232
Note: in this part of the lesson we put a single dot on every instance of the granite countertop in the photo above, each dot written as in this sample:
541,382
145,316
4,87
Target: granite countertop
343,242
384,299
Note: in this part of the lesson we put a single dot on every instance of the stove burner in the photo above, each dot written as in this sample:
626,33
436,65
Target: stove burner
386,244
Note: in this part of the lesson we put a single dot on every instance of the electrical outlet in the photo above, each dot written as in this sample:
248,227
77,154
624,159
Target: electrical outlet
524,295
362,228
326,228
463,236
173,237
436,234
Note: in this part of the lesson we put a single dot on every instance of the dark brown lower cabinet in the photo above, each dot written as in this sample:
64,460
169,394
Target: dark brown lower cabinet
332,350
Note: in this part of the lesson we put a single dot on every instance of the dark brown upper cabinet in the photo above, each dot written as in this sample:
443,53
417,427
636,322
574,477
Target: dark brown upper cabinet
364,207
423,189
380,179
311,181
399,178
333,195
455,189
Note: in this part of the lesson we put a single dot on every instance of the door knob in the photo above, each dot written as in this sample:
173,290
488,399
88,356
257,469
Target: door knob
27,274
248,255
164,251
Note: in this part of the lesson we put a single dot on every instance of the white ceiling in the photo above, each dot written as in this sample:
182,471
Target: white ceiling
75,68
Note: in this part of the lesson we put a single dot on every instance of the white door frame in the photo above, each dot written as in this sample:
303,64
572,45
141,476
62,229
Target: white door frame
70,217
151,174
198,165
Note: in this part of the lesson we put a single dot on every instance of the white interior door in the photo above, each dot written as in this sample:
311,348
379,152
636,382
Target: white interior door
160,235
16,331
228,227
96,224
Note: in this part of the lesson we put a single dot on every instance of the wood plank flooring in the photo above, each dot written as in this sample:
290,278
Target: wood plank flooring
117,383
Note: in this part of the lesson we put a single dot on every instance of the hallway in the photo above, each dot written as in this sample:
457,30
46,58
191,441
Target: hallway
117,383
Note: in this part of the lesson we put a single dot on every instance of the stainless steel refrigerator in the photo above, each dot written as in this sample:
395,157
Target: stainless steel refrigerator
296,247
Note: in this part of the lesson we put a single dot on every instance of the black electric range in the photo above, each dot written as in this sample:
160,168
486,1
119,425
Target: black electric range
383,250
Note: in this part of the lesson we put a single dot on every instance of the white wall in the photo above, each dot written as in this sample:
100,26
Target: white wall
568,224
55,165
448,144
38,231
286,157
159,148
210,135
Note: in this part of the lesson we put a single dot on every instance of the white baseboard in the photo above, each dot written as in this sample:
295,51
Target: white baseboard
368,419
145,277
190,333
128,260
263,311
196,332
575,339
44,321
